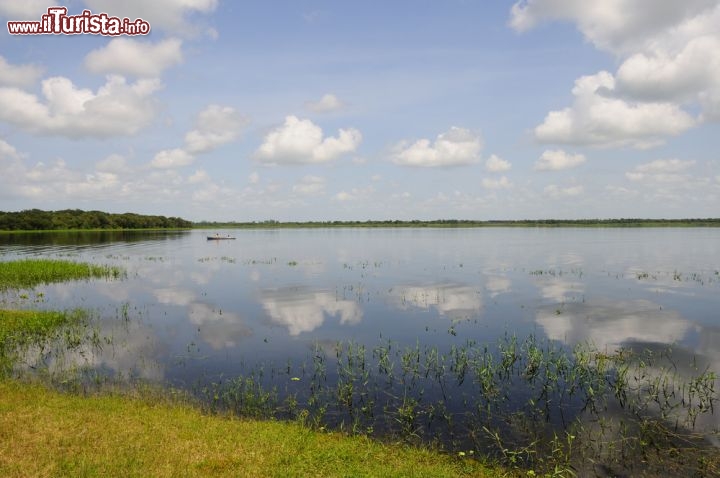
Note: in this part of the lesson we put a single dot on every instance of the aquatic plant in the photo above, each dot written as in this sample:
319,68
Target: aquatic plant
28,273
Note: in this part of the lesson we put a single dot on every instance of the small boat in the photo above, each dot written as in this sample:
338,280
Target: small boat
220,238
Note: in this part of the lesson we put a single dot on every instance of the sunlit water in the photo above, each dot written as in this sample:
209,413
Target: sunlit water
202,310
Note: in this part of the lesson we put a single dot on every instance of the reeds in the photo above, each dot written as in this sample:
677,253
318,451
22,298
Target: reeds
28,273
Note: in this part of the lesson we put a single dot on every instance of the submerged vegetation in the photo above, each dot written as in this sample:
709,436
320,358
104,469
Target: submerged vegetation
28,273
529,404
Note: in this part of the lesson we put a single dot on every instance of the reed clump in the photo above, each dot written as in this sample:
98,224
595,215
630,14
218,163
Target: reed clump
29,273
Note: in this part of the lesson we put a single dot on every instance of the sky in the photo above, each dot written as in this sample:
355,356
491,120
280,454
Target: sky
323,110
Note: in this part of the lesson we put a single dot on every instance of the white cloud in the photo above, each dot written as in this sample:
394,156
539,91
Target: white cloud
327,104
172,158
501,183
558,160
26,9
301,141
665,166
661,170
310,185
496,164
127,56
668,65
8,151
118,108
598,118
344,196
660,75
254,178
199,177
216,125
18,75
557,192
615,25
161,14
456,147
114,163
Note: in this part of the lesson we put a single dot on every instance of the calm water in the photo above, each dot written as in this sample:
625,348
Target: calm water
202,307
201,310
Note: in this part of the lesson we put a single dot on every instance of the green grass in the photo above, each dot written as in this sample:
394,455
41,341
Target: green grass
46,433
32,323
28,273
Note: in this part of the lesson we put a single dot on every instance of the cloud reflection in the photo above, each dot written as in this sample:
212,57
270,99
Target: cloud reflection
497,285
450,300
218,328
610,324
302,310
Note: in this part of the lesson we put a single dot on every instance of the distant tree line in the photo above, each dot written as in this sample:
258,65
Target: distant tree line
36,220
623,222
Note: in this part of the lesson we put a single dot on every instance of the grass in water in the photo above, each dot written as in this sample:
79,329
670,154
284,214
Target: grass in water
29,273
20,328
45,433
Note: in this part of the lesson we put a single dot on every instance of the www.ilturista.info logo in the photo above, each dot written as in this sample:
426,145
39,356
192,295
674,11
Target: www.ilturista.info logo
58,22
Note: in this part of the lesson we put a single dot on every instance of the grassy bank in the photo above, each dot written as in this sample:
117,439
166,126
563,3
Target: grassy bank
29,273
45,433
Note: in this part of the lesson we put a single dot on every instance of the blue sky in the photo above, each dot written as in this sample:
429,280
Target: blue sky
305,110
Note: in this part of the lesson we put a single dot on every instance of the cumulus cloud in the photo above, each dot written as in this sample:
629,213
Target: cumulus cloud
127,56
25,10
661,170
114,163
300,141
619,25
8,151
501,183
18,75
598,118
557,192
215,125
669,64
163,14
496,164
172,158
117,108
456,147
558,160
310,186
327,104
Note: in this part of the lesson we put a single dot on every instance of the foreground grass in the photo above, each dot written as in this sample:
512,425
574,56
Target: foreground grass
29,273
46,433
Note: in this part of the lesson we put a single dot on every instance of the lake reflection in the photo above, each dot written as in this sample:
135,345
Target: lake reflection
200,308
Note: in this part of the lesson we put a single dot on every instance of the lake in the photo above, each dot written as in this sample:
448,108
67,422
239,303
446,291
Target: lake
193,313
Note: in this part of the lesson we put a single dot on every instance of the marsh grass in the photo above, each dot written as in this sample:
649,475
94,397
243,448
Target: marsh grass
529,403
21,330
28,273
